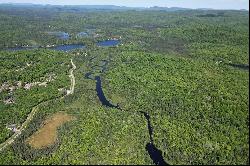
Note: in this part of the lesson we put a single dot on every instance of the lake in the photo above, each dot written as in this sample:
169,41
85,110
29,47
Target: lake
20,48
68,47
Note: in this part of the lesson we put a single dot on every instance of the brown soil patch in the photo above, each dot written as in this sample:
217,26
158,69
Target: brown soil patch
47,135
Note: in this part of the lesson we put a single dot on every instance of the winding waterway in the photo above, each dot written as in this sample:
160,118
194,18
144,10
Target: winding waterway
240,66
98,80
154,153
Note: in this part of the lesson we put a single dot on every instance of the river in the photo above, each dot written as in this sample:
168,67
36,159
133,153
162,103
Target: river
154,153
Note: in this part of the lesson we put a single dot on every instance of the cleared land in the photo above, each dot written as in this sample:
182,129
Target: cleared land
47,134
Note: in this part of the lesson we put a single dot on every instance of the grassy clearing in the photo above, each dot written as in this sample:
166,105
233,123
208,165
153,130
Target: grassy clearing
47,134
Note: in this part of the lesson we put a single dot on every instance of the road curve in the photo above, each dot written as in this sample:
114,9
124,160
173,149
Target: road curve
72,77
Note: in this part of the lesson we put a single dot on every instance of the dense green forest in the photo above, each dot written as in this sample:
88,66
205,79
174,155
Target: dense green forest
187,69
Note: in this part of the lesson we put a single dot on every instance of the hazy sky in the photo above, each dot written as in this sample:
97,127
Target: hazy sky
216,4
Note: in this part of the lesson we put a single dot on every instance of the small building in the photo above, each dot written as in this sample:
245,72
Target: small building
9,100
12,127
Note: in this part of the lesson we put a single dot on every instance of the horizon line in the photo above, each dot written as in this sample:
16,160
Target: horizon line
146,7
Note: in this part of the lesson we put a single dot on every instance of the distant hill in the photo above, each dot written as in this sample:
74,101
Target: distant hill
96,7
101,7
168,9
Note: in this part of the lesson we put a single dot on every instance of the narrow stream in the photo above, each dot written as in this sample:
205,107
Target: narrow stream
99,90
101,95
154,153
150,130
240,66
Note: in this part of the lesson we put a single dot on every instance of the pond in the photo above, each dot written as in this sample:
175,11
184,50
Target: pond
60,35
108,43
82,34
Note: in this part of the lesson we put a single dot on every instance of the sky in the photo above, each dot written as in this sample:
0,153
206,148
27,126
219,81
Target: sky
216,4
